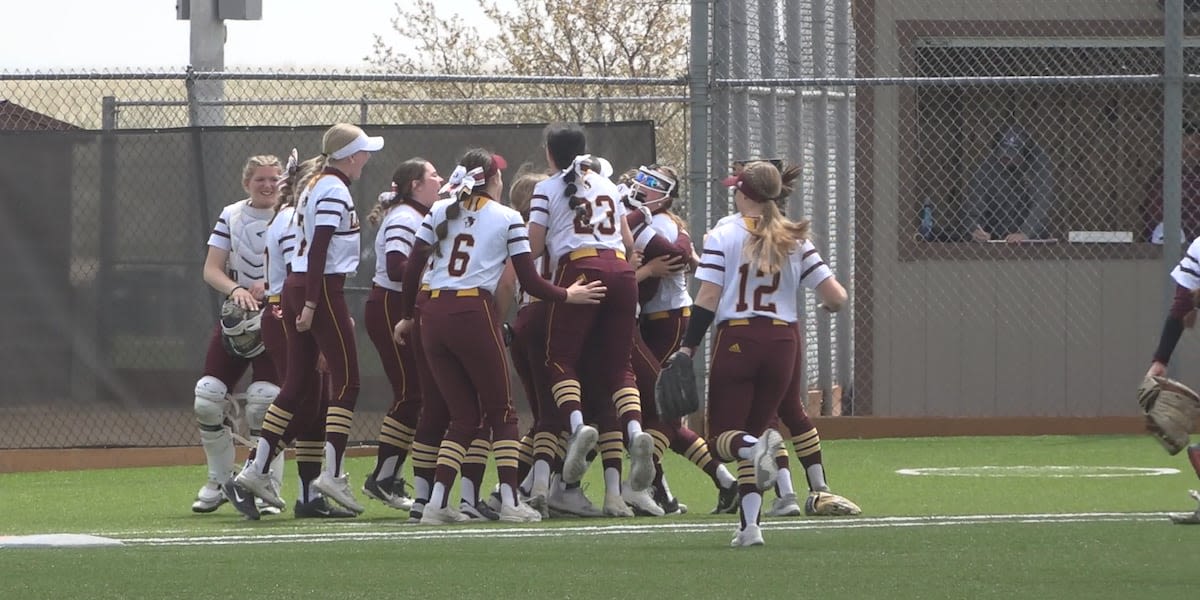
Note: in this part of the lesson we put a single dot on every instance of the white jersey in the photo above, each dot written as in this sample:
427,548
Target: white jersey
1187,272
327,202
673,289
283,236
396,233
745,292
600,226
241,231
477,243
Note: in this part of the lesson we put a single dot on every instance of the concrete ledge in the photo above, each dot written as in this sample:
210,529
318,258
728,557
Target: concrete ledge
831,428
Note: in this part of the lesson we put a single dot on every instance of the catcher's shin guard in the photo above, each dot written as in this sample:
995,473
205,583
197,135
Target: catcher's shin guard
210,404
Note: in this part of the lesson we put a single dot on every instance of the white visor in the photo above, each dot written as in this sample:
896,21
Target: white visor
360,143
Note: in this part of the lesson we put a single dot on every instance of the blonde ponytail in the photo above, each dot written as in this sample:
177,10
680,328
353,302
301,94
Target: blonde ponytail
774,239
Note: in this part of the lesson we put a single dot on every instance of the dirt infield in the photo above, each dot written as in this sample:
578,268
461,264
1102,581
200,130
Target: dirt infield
831,428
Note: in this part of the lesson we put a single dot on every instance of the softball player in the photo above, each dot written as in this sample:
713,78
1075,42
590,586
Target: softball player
399,214
313,301
471,237
234,267
578,214
1181,315
750,272
806,441
665,308
281,239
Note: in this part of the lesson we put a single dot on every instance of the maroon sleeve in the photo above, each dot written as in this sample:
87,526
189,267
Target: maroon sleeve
395,265
533,283
1183,303
634,217
411,282
318,251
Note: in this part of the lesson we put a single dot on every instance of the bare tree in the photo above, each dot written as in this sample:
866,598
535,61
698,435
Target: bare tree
601,38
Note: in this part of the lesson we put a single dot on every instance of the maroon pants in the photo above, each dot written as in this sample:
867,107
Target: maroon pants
528,351
791,410
229,368
752,360
274,336
381,314
331,335
602,328
663,331
461,335
434,416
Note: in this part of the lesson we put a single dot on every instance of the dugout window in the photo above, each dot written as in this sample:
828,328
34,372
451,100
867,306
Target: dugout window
1101,138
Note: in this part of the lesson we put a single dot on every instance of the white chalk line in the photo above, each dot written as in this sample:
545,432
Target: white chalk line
1041,471
508,532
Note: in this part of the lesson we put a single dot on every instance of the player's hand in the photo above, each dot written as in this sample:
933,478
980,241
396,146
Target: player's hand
980,235
1156,369
586,293
243,298
661,266
1016,237
637,260
304,321
400,333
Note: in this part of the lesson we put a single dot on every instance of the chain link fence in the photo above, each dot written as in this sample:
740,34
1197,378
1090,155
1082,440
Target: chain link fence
117,196
986,180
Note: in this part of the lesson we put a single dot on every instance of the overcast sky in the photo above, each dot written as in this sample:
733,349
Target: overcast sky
116,34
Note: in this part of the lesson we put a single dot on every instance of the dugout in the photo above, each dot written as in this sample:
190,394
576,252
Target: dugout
958,328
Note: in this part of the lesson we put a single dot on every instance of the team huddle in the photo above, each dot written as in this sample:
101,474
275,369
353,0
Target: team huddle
597,272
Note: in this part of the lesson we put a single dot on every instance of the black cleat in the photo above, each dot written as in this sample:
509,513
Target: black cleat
241,499
321,509
727,501
670,506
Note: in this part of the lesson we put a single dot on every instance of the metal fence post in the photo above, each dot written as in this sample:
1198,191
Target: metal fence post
844,257
1172,140
698,105
821,198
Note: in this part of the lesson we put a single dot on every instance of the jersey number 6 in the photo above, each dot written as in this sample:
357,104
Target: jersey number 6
459,257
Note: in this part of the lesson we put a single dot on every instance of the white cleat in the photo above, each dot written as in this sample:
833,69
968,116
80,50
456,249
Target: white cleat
641,461
521,513
338,490
762,456
578,446
209,498
434,515
266,509
642,502
571,501
750,536
614,506
785,506
261,485
1189,518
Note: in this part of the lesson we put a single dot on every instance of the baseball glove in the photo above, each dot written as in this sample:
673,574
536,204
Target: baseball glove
1170,408
675,392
